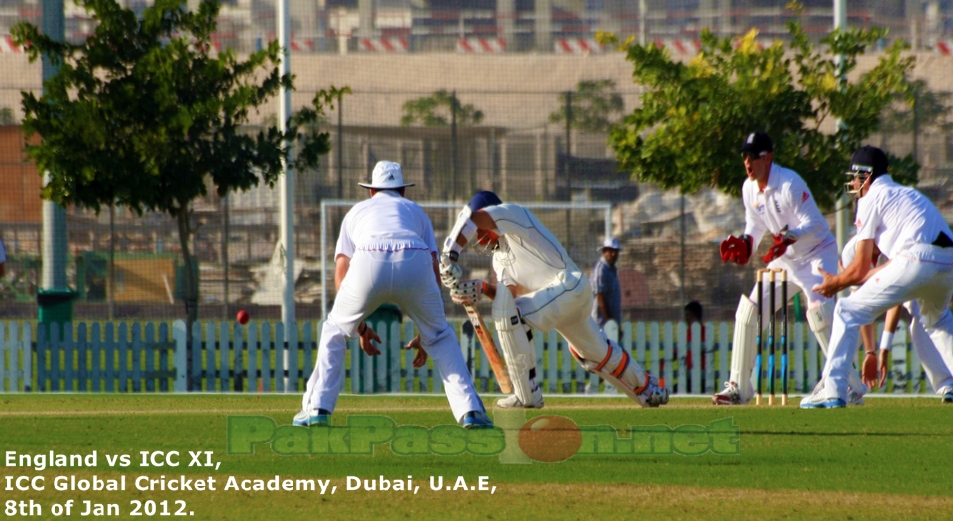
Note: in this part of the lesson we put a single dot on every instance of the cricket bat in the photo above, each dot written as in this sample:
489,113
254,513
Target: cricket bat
497,362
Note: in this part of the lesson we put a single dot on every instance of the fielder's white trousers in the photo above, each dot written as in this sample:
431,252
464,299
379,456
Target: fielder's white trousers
923,273
404,278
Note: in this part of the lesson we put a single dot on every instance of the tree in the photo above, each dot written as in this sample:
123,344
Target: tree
693,117
145,115
594,106
437,110
6,116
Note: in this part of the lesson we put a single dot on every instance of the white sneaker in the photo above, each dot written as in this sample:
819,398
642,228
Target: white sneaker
856,397
823,398
730,395
946,394
513,402
653,395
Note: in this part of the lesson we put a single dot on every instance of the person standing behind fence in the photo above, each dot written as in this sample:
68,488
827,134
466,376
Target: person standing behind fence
606,291
387,253
777,200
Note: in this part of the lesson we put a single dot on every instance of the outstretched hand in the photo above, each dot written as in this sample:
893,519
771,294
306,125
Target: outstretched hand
829,287
368,337
421,359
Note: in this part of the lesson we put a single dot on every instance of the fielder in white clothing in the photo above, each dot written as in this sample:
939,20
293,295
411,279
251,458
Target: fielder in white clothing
539,287
912,233
937,366
387,252
778,201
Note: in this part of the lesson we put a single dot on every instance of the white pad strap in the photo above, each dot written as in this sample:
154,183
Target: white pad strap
743,346
464,227
519,352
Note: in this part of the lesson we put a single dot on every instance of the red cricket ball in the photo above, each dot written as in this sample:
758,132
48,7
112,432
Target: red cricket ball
242,317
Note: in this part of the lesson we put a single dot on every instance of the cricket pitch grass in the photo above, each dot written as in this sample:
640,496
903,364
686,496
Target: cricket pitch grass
889,459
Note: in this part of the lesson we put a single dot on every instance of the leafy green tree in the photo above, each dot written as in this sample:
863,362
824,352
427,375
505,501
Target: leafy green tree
594,105
144,114
437,110
693,117
6,116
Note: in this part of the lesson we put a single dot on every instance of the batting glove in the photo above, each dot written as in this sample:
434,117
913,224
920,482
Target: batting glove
781,242
468,292
450,272
736,249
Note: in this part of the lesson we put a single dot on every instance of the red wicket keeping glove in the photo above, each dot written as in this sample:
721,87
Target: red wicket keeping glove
736,249
781,243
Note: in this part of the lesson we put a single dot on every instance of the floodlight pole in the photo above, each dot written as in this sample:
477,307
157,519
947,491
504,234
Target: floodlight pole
843,217
286,183
53,275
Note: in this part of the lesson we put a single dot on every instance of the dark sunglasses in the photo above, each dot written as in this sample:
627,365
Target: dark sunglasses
753,156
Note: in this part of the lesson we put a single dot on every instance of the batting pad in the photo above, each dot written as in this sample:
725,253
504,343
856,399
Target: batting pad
519,352
619,369
820,318
743,346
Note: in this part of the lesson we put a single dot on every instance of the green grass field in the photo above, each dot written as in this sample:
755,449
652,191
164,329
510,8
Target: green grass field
890,459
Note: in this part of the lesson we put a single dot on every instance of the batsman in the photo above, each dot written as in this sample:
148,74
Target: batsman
539,287
778,201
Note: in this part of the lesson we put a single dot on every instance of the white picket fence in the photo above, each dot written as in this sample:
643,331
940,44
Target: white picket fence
227,357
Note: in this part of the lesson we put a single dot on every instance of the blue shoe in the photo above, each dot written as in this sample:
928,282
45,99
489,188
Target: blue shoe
822,400
317,417
477,420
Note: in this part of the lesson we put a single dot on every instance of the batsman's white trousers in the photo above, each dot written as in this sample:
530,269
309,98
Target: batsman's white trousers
405,278
923,273
566,306
803,273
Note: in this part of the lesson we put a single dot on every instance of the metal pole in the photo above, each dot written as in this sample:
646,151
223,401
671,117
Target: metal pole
843,214
54,215
681,270
287,185
453,145
340,146
568,164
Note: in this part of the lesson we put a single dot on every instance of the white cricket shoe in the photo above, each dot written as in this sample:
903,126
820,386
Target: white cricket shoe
653,395
856,397
946,394
730,395
824,397
513,402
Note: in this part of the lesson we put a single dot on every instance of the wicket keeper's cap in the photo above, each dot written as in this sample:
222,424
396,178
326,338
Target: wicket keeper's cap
869,159
757,143
611,243
483,199
387,176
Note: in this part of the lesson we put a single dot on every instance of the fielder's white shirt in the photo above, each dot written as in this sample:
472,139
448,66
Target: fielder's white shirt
897,217
385,222
785,201
529,255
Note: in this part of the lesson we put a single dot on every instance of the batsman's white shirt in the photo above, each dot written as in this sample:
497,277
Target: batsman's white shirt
390,241
905,223
786,201
553,293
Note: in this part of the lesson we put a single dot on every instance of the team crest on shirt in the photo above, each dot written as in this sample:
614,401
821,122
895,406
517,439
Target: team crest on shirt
758,207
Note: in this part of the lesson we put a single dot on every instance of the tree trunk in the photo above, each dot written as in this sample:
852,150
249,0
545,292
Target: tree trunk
191,288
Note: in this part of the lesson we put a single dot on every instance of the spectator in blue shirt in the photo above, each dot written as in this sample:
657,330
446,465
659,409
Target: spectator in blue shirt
606,292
